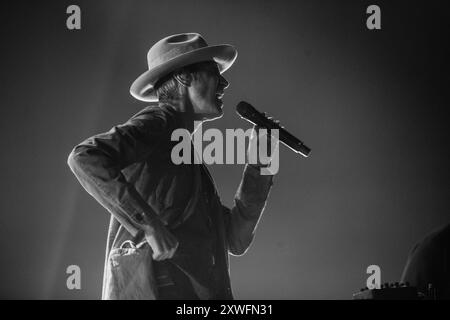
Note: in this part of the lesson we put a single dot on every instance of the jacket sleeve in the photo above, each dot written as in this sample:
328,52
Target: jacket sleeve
249,202
98,161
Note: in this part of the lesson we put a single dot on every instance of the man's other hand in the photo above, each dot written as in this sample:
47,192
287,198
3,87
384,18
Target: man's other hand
161,240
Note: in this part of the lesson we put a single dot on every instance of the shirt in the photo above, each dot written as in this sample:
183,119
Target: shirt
129,171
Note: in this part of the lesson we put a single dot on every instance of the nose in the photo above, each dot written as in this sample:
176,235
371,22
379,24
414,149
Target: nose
223,83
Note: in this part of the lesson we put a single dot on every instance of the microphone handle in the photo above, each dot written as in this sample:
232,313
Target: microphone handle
285,137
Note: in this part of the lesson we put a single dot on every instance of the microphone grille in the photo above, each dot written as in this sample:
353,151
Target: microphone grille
244,109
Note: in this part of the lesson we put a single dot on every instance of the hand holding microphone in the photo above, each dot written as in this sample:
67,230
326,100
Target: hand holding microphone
249,113
262,147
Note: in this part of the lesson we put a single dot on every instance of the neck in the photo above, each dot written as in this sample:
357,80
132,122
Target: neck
184,107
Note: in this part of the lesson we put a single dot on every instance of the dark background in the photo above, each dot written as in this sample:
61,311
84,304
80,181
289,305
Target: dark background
371,104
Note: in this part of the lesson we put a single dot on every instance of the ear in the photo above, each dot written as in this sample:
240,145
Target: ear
183,78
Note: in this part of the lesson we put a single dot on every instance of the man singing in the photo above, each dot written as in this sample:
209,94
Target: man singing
173,208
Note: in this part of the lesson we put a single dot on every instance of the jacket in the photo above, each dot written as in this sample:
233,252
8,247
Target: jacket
128,170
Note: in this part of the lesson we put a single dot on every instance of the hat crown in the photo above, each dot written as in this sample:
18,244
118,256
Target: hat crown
174,52
173,46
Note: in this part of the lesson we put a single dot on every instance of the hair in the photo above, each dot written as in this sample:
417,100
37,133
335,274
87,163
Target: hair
167,88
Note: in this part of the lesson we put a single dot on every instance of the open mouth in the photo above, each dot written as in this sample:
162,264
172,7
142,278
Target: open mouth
219,95
219,99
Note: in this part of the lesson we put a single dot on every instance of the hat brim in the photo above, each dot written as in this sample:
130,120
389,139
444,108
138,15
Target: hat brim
143,87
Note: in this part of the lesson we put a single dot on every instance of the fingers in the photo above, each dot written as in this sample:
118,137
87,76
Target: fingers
170,251
164,254
173,250
163,244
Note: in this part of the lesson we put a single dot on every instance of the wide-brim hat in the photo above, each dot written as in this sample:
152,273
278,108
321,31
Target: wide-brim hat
174,52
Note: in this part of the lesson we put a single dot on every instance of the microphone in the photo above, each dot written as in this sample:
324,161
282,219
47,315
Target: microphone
249,113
